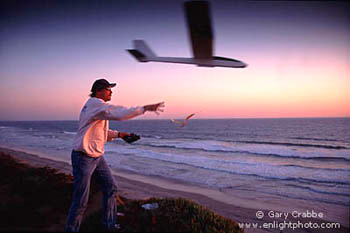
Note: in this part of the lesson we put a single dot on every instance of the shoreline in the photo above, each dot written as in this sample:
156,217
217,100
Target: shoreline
137,186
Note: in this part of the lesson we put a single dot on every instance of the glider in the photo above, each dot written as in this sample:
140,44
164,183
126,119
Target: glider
184,122
201,37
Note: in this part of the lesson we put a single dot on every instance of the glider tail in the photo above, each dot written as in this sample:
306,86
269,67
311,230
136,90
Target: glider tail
142,52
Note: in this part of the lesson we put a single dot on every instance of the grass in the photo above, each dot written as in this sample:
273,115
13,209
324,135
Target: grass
172,215
38,199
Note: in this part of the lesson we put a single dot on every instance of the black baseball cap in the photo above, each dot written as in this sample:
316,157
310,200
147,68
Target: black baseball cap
100,84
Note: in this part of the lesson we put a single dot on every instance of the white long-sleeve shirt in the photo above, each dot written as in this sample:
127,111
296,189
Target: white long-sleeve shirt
93,131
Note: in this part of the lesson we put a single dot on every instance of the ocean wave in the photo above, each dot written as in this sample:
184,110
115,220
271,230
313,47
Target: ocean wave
296,144
232,166
218,147
68,132
280,178
315,168
344,194
317,139
298,179
340,159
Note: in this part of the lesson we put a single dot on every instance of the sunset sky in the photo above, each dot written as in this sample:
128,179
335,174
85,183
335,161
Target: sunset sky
297,54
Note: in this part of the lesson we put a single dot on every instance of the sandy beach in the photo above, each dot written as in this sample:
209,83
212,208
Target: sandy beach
135,186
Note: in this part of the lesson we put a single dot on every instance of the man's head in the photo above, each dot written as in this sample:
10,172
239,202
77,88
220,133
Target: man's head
102,89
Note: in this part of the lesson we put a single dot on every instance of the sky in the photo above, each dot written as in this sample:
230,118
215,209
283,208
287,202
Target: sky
297,53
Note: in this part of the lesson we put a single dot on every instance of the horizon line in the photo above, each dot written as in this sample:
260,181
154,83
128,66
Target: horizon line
223,118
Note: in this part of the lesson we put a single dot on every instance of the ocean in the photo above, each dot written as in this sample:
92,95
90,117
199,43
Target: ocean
301,159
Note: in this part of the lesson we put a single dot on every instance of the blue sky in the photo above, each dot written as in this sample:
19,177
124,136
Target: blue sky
297,55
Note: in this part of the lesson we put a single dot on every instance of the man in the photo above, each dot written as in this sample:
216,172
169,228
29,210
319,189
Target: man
88,150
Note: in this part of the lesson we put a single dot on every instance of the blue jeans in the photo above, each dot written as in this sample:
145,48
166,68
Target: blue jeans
83,168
